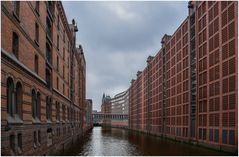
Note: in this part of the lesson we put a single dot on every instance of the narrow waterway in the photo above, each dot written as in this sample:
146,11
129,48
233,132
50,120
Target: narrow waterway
120,142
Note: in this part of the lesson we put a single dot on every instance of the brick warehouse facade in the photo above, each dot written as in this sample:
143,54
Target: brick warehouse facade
42,79
188,90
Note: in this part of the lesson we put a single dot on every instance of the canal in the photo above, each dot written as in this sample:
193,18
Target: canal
120,142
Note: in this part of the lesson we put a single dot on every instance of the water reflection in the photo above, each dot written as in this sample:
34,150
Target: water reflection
120,142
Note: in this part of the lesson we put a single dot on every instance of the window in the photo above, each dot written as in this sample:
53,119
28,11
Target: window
64,130
57,82
48,78
18,102
58,132
48,28
63,88
38,107
216,135
63,53
63,112
232,137
58,22
68,113
37,7
16,8
58,42
36,63
35,139
49,137
68,91
204,134
19,141
57,63
37,33
34,104
48,108
63,72
12,143
64,36
48,53
10,97
15,44
57,111
224,136
39,137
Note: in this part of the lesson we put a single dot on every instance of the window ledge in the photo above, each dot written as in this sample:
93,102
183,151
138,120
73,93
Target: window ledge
14,120
19,150
36,42
48,121
16,17
36,121
37,11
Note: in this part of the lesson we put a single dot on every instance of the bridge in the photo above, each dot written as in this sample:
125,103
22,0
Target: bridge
111,119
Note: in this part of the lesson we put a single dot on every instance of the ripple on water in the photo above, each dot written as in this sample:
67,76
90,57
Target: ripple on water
119,142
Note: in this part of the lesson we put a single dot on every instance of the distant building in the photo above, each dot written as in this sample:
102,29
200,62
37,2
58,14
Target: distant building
94,111
120,103
106,104
119,109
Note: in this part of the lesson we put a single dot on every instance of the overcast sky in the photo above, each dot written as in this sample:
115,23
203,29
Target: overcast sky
117,38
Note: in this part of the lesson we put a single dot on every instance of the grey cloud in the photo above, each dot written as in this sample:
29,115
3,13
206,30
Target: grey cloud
117,37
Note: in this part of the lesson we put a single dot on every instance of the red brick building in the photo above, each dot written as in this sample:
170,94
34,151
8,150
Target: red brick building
106,110
43,79
188,91
106,104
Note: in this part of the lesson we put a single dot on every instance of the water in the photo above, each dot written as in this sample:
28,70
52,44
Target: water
119,142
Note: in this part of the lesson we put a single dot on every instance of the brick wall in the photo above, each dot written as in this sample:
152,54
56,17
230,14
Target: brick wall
22,135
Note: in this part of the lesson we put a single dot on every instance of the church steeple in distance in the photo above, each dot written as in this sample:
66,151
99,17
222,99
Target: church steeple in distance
103,98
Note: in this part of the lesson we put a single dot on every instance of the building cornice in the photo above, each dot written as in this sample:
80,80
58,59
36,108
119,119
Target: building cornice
56,91
10,57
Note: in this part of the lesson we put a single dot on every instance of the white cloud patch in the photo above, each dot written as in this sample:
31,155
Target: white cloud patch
122,11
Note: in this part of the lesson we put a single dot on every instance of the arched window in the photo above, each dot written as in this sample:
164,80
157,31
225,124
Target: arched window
68,113
48,108
38,107
63,113
10,97
57,111
34,104
18,107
